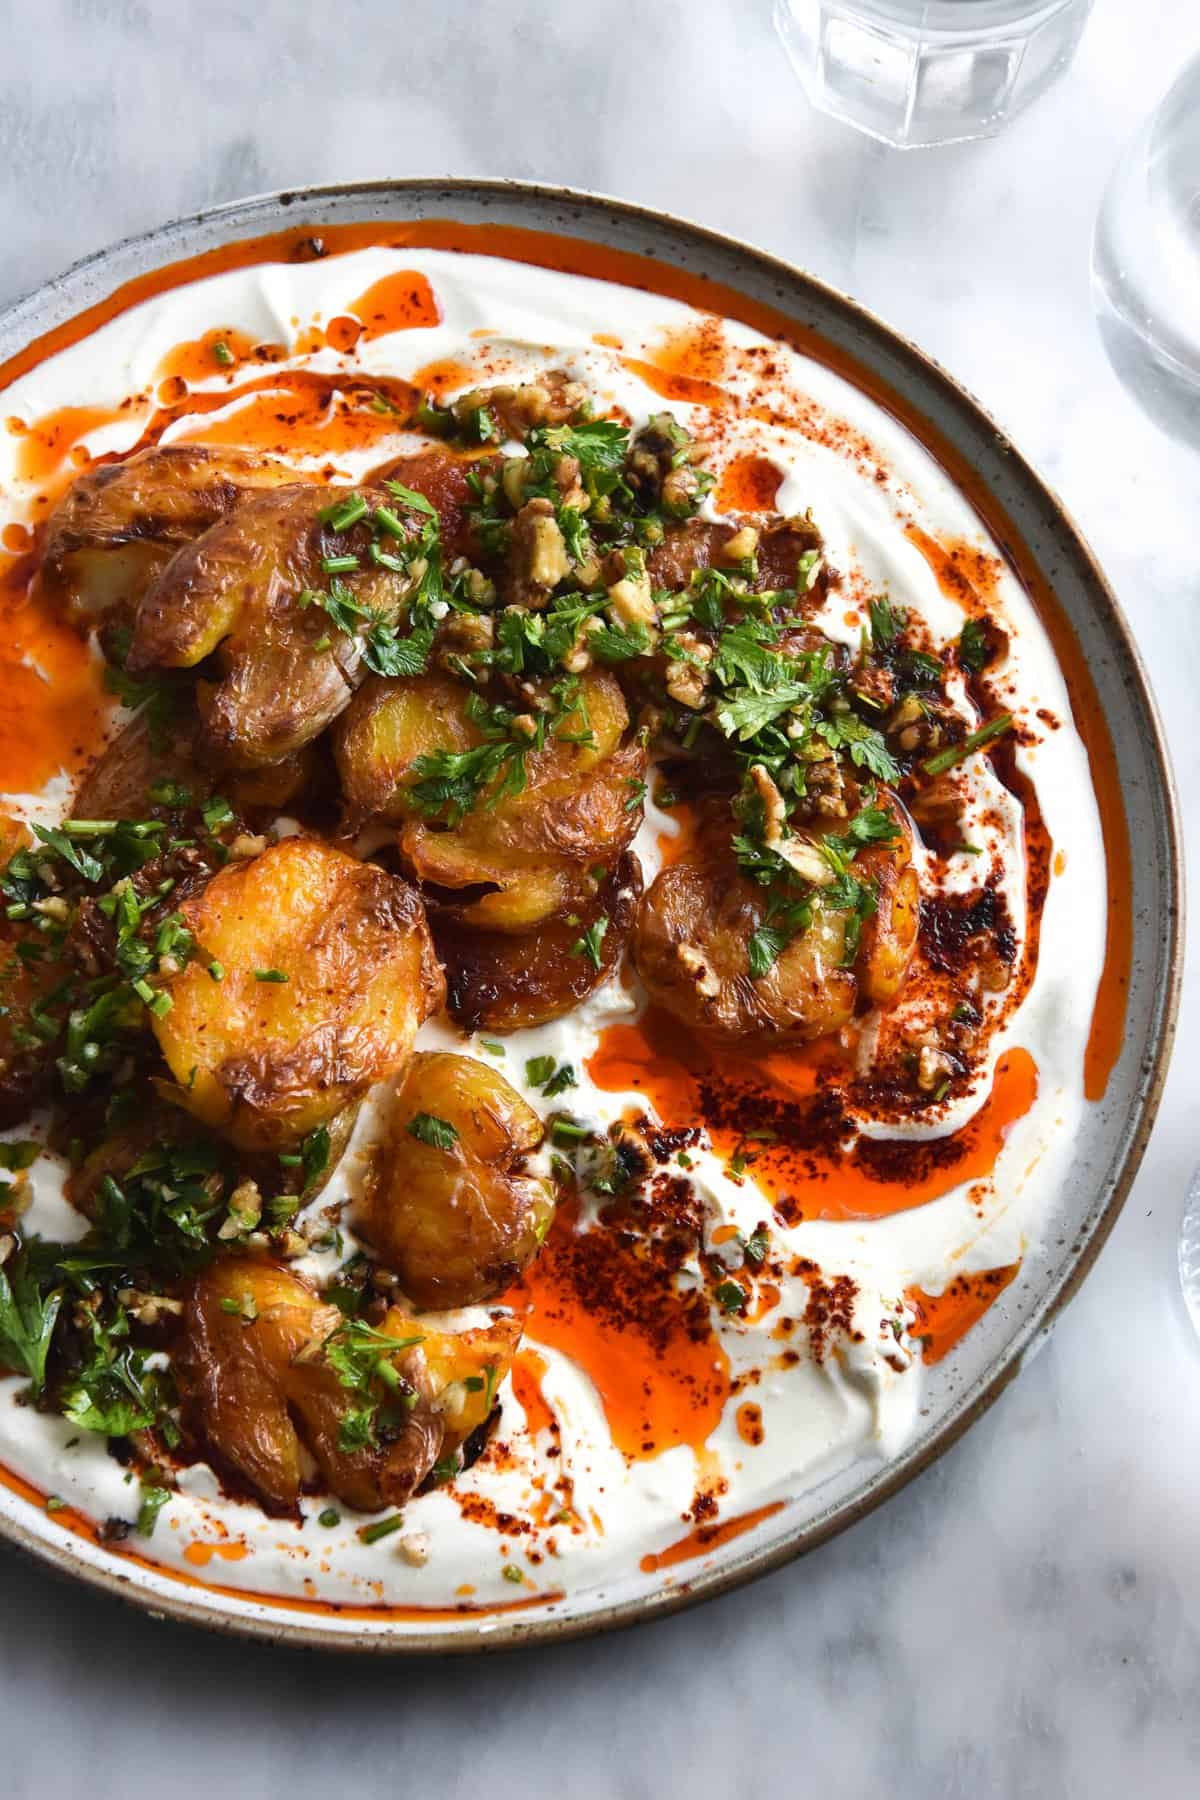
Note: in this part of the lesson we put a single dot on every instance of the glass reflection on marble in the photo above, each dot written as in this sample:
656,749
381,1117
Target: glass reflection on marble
1146,262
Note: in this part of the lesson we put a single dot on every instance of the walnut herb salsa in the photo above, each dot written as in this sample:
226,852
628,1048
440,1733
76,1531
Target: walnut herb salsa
454,676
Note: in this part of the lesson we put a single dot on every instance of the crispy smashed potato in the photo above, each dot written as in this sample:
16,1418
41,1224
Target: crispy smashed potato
441,476
692,950
326,969
519,861
119,525
506,981
284,670
701,544
256,1377
120,784
261,1375
385,728
692,945
450,1209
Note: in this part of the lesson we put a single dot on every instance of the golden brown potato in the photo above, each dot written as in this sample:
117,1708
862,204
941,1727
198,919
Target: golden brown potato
284,671
889,938
450,1210
263,1367
118,784
390,723
254,1359
504,981
691,948
119,525
527,851
326,971
385,728
441,475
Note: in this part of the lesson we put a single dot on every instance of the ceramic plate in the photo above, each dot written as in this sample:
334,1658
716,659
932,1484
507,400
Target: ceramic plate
1030,525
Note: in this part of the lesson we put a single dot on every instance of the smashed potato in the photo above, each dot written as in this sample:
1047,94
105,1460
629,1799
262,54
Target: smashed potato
692,950
141,759
160,1127
522,855
385,728
284,671
506,981
692,946
311,975
267,1368
450,1209
256,1377
118,526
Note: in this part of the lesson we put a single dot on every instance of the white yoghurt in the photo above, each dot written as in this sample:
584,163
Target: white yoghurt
818,1416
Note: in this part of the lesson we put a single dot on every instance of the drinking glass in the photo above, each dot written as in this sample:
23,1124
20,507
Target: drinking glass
922,72
1146,262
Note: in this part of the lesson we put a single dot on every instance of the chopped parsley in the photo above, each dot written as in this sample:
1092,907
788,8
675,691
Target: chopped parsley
439,1134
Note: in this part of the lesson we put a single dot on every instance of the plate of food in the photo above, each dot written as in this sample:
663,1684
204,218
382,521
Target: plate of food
590,905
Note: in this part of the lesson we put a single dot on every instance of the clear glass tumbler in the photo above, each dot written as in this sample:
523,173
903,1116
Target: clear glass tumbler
922,72
1146,262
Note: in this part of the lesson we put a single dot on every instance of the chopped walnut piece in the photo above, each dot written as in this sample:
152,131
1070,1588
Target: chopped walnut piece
704,976
933,1066
687,684
538,558
740,547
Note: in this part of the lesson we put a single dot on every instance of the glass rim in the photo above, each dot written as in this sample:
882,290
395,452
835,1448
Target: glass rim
954,15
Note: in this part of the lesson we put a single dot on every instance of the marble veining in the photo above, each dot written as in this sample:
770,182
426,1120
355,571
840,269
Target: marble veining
1025,1619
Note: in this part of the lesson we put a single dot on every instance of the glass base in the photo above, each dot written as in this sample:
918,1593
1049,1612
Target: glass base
913,84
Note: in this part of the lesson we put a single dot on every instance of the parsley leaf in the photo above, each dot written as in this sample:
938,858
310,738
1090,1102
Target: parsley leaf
386,653
27,1320
972,646
440,1134
886,623
866,747
766,946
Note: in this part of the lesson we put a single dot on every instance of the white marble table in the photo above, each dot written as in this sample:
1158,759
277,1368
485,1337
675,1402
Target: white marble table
1025,1619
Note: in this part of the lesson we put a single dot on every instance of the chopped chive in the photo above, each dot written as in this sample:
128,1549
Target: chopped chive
565,1131
323,643
54,1503
371,1534
388,521
216,970
947,759
383,560
269,975
511,1573
336,565
492,1047
329,1518
344,513
223,354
